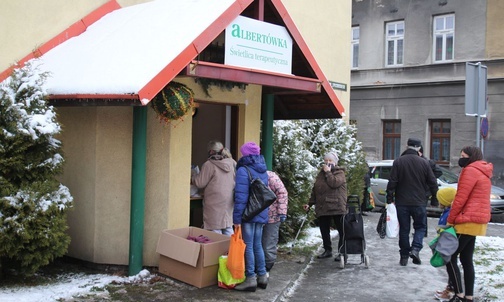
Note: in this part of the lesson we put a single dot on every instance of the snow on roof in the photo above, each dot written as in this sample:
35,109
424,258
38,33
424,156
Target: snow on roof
123,51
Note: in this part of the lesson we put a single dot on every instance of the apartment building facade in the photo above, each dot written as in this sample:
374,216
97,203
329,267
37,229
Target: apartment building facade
409,72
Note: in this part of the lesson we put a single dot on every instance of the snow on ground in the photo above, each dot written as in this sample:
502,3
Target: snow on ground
487,258
69,285
489,266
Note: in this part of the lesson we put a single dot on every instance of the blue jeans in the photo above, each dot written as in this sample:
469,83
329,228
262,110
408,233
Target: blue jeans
404,215
254,254
227,231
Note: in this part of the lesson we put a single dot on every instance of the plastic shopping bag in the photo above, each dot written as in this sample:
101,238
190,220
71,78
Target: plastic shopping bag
371,200
443,246
236,255
382,223
392,228
224,277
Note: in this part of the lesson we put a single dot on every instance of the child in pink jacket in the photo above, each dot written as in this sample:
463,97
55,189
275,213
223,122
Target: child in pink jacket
277,215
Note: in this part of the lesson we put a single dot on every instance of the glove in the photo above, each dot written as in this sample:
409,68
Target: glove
390,198
434,202
282,218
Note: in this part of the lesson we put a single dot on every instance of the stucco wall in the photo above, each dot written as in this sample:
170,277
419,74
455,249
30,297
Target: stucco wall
39,22
97,149
494,29
372,106
371,16
326,27
79,124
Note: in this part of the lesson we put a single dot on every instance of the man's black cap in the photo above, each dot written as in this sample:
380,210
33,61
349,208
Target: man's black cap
414,142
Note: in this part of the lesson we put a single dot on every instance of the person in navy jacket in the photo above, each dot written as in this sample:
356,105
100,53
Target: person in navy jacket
255,265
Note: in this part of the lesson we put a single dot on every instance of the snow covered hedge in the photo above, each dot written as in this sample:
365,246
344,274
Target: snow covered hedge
298,150
33,204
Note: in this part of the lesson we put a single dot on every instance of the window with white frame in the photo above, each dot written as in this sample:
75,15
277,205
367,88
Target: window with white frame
394,43
443,37
355,46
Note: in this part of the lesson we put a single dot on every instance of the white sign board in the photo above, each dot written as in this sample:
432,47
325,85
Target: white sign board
259,45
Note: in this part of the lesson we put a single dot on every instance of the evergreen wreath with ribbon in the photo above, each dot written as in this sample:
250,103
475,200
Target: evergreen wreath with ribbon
173,102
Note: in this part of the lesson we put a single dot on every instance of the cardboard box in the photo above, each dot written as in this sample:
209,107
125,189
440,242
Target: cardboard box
189,261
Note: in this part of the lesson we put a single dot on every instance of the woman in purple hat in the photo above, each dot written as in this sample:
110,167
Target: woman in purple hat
255,265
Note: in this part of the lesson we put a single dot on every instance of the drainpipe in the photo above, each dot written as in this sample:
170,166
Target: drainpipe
267,109
137,189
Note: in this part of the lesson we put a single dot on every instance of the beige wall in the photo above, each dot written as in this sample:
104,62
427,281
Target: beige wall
80,155
97,143
97,150
26,24
494,29
325,26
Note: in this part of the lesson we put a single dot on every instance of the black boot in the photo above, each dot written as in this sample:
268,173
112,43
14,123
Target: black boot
404,260
415,255
269,266
262,281
325,254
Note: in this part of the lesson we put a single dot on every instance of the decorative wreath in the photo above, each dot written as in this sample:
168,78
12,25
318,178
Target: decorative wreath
173,102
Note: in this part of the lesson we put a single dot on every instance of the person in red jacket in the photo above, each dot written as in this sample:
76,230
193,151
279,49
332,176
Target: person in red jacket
469,214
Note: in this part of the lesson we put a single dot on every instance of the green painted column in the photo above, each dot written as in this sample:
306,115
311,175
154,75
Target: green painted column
139,150
267,109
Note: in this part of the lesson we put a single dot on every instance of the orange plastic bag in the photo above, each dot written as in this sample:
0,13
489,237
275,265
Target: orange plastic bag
236,255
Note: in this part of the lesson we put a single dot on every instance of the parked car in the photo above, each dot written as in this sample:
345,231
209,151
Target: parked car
380,172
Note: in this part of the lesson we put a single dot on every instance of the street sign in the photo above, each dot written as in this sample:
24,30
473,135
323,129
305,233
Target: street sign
484,127
475,89
339,86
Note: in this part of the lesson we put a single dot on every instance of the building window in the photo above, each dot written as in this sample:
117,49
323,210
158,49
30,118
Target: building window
355,46
440,141
394,43
391,139
443,36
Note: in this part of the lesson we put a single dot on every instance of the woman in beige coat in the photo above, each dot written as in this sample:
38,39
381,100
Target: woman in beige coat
217,179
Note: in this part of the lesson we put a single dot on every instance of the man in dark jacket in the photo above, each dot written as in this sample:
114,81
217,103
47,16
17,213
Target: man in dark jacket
409,178
437,173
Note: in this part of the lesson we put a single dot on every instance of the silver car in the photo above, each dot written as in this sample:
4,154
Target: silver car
380,172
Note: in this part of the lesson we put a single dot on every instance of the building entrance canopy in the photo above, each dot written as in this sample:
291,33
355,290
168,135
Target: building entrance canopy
125,56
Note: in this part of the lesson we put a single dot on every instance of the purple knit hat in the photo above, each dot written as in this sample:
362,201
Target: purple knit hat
250,148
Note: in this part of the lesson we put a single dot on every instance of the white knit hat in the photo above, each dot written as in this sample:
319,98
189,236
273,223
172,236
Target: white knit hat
332,156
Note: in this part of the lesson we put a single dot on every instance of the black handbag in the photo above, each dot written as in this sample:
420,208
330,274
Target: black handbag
260,197
382,223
